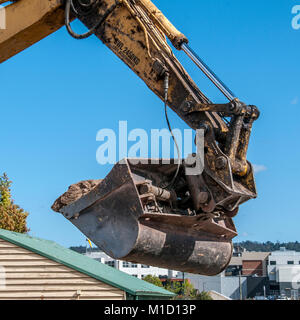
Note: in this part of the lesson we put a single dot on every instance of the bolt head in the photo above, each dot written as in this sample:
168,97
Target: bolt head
186,106
203,197
220,163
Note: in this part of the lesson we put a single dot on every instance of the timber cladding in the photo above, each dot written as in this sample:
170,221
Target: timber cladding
27,275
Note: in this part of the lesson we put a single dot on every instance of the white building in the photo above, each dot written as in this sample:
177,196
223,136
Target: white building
284,271
231,287
136,270
282,260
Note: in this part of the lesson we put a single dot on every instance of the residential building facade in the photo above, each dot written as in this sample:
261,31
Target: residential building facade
255,263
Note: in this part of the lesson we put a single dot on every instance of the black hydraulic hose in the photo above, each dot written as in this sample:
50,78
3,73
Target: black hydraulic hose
69,4
166,89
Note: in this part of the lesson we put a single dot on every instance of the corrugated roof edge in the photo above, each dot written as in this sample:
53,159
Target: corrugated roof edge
86,265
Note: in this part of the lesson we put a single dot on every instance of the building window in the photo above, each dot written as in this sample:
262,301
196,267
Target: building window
129,265
290,262
272,263
110,263
145,266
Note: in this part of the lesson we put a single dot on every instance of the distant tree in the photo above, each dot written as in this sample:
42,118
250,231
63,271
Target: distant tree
268,246
83,249
12,217
154,280
186,291
203,296
79,249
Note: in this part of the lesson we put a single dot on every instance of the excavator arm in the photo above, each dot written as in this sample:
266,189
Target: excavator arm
153,213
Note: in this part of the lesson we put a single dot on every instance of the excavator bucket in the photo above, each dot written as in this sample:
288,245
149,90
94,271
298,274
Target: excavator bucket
129,217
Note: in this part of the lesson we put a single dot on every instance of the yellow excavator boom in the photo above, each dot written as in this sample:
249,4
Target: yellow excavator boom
27,22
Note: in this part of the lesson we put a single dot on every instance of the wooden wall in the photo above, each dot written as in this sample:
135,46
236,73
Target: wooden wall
31,276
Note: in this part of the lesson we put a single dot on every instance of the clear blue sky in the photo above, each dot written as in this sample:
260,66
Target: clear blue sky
56,95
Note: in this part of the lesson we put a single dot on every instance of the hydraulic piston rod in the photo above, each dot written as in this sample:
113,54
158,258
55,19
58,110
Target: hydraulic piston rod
208,72
180,42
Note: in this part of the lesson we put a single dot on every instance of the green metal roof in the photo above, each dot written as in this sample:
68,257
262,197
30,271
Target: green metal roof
86,265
